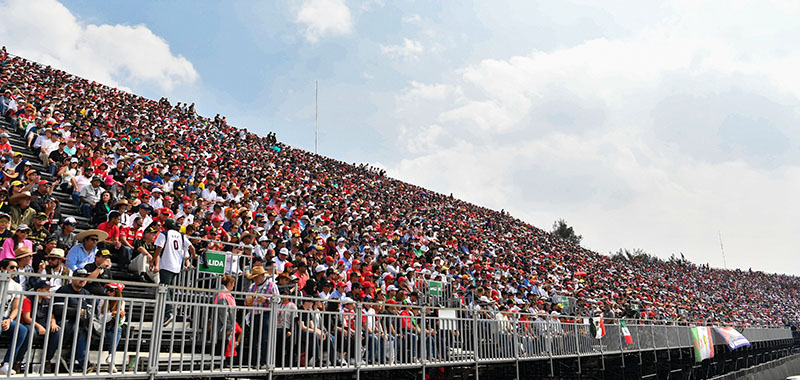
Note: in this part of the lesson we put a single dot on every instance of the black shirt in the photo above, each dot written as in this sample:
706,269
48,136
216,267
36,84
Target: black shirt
97,288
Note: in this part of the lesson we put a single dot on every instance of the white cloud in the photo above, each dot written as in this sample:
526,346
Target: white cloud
409,49
324,17
657,140
110,54
413,19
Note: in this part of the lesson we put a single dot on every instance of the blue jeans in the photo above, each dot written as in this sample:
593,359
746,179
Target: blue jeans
23,332
112,349
81,346
86,210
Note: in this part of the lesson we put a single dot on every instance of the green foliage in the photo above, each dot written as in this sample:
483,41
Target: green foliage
564,231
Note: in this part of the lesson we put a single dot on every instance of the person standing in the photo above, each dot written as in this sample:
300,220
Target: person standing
173,250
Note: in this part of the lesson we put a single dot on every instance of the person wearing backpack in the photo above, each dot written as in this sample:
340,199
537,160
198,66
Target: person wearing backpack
173,250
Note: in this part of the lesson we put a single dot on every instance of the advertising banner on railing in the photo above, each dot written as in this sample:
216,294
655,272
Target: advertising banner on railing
733,338
703,345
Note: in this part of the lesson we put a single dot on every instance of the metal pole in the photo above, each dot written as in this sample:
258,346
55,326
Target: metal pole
316,114
724,262
423,344
475,340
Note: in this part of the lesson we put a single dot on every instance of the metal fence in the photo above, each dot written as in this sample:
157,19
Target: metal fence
216,333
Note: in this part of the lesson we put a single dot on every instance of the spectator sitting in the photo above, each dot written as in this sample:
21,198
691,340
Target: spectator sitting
144,249
19,239
111,314
11,308
76,307
19,209
55,266
114,242
38,233
84,252
5,232
99,269
65,234
90,195
102,208
24,257
41,323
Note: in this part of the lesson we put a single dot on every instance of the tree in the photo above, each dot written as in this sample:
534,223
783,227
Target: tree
564,231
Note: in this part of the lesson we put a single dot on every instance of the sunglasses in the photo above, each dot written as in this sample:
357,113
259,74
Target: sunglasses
93,239
13,267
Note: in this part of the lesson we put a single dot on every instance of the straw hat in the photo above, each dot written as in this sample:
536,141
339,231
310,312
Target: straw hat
23,251
257,271
16,197
102,235
56,253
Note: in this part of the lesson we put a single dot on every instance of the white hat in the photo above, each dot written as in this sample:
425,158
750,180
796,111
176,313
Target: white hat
347,300
283,251
390,288
264,238
320,268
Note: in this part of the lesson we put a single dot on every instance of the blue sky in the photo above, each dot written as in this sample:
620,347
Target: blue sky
656,125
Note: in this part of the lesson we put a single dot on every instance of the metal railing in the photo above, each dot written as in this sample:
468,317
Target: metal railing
215,333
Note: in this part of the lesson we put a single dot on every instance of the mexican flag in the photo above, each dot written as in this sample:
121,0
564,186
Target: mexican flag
625,332
597,328
703,345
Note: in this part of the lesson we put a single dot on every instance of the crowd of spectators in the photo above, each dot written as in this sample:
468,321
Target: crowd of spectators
159,185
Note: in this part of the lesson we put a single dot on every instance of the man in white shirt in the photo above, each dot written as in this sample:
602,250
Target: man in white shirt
281,259
47,147
172,253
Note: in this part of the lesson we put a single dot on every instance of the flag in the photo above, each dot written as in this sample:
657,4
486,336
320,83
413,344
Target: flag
733,338
703,346
597,328
625,332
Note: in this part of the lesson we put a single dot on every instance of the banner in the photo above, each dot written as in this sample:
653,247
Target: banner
703,345
435,288
215,263
597,328
733,338
625,332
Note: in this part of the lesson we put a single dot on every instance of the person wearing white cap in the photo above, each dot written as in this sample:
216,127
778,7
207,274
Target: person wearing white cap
262,248
281,259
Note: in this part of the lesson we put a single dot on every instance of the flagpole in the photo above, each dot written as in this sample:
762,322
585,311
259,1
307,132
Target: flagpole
316,113
724,262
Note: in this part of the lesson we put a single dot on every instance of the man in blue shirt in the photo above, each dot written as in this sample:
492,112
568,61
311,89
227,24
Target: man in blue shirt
84,252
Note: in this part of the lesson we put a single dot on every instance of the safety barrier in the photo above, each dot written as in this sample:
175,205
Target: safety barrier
217,333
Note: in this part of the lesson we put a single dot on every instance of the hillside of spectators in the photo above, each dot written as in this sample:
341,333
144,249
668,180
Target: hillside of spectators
133,164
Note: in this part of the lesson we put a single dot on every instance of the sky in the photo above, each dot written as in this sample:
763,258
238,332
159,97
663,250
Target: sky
663,126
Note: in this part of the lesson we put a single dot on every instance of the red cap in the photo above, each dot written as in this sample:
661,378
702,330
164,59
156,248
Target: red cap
401,279
329,259
391,302
340,283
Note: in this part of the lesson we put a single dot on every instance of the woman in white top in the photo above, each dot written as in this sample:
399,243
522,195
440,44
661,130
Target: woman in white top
68,174
107,313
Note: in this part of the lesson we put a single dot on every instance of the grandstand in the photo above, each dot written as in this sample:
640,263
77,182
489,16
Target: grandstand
281,234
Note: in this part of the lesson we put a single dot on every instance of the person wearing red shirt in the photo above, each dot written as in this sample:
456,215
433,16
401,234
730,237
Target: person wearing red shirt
116,243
